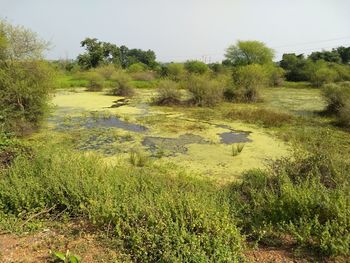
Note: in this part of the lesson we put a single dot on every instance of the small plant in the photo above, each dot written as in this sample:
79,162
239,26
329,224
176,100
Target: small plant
137,158
237,149
122,85
168,93
67,257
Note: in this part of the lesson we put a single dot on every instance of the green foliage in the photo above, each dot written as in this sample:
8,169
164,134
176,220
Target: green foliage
137,67
25,88
205,91
168,93
95,80
174,71
295,67
305,198
195,66
237,149
275,75
248,80
336,96
154,215
249,52
137,158
122,85
67,257
106,71
319,73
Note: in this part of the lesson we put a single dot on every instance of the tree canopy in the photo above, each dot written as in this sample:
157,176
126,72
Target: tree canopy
249,52
99,53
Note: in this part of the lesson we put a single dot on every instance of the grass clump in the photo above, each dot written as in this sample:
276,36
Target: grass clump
237,149
137,158
153,214
168,93
305,199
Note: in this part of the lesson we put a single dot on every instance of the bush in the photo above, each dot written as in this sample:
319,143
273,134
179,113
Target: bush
173,71
320,73
336,96
168,93
95,81
344,116
305,198
275,75
152,216
137,67
248,80
25,89
143,76
122,85
106,71
205,91
195,66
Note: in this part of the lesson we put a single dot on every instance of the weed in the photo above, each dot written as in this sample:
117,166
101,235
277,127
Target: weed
237,149
67,257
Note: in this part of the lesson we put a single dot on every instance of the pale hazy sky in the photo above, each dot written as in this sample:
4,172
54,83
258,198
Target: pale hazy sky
178,30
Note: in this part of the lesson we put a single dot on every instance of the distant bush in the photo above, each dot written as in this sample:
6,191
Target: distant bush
143,76
337,96
195,66
168,93
275,75
137,67
153,214
96,81
173,71
106,71
305,198
122,86
248,80
205,91
320,73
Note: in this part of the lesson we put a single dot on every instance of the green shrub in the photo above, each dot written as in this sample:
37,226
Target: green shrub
195,66
305,198
168,93
205,91
25,89
248,80
143,76
106,71
336,96
320,73
154,215
122,85
174,71
275,75
137,67
95,80
344,116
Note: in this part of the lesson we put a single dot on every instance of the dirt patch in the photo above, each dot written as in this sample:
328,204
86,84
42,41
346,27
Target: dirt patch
37,247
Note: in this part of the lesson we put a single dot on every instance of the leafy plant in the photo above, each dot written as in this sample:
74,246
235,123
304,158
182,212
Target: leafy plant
237,149
67,257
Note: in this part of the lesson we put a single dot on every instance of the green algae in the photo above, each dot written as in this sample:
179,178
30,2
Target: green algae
173,134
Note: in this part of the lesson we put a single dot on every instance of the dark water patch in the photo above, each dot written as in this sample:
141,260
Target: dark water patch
162,146
234,137
120,102
97,122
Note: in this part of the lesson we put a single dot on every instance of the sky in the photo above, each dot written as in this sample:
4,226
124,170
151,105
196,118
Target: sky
180,30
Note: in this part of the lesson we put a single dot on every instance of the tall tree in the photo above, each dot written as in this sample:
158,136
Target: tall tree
249,52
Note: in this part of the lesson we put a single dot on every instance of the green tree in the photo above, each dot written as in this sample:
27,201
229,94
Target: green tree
249,52
195,66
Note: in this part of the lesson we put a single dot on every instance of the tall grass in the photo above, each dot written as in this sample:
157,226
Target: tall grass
154,215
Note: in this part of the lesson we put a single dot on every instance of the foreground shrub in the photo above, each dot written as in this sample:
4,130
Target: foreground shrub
168,93
205,91
151,214
248,80
336,96
25,89
195,66
305,198
122,85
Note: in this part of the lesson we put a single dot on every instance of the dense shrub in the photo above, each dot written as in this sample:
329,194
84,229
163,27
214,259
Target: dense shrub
25,89
168,93
173,71
275,75
205,91
95,80
152,214
106,71
195,66
122,85
143,76
305,198
319,73
336,96
137,67
248,80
